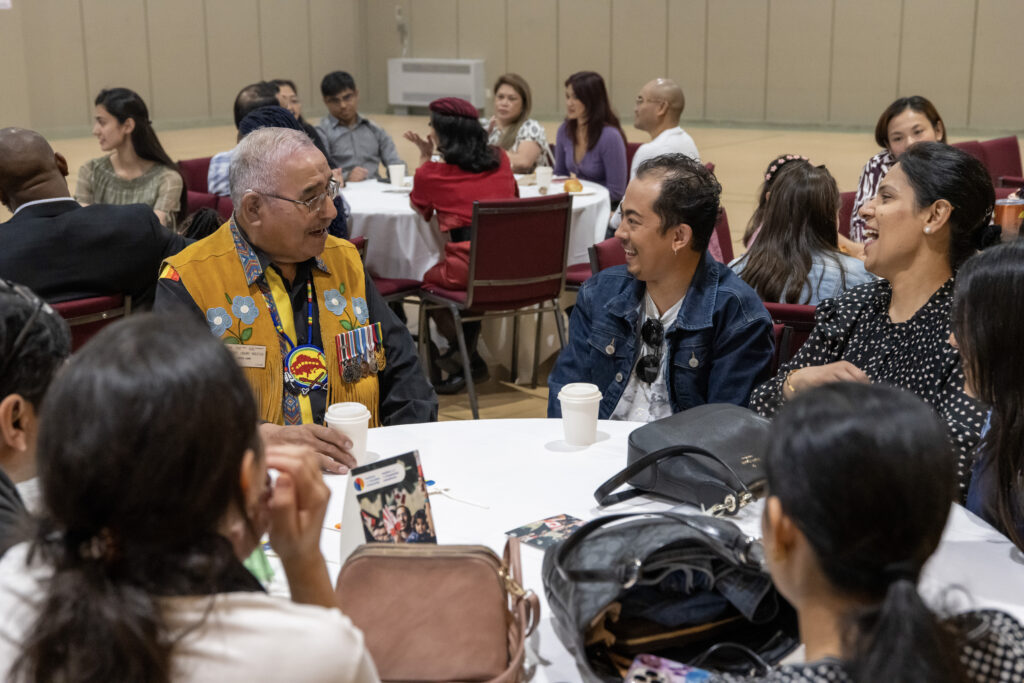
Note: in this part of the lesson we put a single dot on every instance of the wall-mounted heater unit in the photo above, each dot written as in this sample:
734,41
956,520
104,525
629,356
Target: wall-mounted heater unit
418,82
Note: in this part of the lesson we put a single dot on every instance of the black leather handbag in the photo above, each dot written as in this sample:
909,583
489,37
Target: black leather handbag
708,456
691,588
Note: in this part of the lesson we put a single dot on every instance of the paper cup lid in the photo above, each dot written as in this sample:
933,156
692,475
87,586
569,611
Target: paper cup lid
1009,201
347,411
579,391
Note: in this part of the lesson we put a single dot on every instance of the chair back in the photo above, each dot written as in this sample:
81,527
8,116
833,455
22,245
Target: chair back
1002,157
796,316
224,207
724,235
631,148
200,200
518,251
194,172
783,335
846,200
606,254
974,148
86,317
359,243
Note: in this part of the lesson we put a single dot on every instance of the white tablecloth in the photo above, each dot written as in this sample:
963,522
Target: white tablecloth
400,244
522,471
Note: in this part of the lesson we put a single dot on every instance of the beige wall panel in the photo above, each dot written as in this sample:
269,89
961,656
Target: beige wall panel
687,39
639,50
284,41
123,62
737,44
799,49
931,29
14,109
998,78
53,29
584,36
435,31
865,51
233,45
178,60
382,44
532,31
336,44
482,30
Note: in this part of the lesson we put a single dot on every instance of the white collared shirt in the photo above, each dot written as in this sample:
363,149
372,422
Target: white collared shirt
42,201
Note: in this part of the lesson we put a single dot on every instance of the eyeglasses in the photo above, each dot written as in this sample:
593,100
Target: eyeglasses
38,305
312,205
649,365
640,99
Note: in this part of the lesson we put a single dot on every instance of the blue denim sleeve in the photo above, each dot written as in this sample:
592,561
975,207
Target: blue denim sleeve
743,359
570,364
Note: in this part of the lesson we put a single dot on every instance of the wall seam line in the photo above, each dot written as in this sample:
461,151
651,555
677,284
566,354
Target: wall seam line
209,73
970,73
85,60
149,57
767,58
831,61
707,26
259,35
899,53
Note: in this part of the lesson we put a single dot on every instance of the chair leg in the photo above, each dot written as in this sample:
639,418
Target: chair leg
423,341
560,324
466,369
514,368
536,351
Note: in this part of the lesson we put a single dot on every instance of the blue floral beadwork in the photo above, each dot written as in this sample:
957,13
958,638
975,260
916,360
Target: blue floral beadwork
335,302
218,319
245,309
360,310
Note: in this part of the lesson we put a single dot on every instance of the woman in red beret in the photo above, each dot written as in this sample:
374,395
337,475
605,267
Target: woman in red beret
462,169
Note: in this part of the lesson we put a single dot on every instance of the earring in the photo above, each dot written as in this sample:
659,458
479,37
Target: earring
675,251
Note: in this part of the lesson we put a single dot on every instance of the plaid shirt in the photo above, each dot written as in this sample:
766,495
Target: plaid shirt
217,176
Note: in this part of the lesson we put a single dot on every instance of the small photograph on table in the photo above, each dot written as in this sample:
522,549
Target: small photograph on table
546,532
393,502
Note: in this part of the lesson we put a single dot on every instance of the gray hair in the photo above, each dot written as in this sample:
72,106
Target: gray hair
257,159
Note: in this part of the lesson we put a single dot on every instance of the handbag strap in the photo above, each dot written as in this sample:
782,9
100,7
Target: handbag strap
605,497
525,611
739,549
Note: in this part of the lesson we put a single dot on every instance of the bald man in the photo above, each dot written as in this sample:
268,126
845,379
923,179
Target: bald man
63,250
658,108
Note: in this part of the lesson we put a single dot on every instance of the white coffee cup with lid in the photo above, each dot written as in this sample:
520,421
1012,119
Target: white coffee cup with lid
580,402
352,420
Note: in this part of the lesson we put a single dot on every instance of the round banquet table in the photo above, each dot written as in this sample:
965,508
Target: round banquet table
400,244
496,475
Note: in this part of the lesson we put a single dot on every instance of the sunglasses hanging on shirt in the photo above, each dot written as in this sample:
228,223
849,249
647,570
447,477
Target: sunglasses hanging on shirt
653,334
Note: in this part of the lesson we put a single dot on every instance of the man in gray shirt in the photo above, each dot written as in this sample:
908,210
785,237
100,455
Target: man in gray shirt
356,145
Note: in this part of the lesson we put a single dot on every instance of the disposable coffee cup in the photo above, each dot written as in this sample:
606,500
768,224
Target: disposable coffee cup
352,420
397,174
544,174
580,402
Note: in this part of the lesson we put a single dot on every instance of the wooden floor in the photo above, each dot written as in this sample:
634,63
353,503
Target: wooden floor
740,155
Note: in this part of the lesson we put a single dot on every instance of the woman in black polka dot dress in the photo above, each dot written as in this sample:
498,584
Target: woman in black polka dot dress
848,558
920,228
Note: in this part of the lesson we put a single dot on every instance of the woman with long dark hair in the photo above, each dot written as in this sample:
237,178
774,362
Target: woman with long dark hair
861,482
511,127
770,174
155,487
137,170
920,228
590,143
906,121
988,324
796,257
467,169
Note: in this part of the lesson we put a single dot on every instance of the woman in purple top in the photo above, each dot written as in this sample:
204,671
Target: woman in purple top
590,142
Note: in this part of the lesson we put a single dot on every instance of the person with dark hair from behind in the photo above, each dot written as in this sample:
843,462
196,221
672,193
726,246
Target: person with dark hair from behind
920,229
34,342
62,250
288,97
249,98
796,258
135,570
988,324
849,558
200,224
356,145
672,328
770,174
137,170
469,170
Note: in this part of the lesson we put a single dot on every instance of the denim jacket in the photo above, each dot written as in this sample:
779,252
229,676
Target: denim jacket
720,345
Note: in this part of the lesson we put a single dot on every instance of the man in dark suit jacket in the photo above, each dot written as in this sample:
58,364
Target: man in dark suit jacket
63,250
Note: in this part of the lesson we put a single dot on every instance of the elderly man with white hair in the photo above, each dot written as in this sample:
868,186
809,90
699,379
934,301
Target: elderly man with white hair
293,304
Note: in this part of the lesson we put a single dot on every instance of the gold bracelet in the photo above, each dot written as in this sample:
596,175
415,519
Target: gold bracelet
792,389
